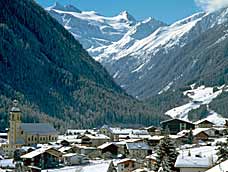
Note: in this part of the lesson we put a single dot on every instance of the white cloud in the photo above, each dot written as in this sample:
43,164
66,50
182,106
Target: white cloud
212,5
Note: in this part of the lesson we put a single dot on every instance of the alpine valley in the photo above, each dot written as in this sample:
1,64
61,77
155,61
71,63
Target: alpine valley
54,78
173,67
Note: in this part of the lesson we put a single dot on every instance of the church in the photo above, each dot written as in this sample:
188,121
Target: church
26,134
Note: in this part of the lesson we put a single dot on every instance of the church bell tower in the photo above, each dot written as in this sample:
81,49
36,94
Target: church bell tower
15,120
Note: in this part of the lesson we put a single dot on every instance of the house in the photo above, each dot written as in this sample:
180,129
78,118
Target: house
193,164
94,140
151,161
77,132
174,126
138,150
198,134
67,149
110,148
204,123
115,133
152,130
68,140
85,150
154,140
26,134
44,158
222,167
126,165
75,159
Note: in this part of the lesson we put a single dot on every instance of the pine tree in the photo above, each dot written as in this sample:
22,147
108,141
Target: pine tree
222,151
190,137
166,155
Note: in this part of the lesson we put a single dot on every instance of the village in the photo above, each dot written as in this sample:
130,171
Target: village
36,147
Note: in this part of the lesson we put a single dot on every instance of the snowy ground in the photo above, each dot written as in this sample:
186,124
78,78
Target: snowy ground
199,96
94,166
204,151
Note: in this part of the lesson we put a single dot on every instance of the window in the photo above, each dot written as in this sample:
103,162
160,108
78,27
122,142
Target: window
22,132
29,139
32,138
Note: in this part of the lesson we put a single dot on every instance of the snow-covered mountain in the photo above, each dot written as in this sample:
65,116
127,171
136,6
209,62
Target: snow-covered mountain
138,68
149,58
94,31
138,54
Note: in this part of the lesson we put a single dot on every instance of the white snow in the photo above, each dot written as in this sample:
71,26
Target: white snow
192,162
199,96
94,166
166,88
223,167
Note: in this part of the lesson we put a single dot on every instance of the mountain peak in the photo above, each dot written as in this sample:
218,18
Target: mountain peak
127,16
56,6
69,7
72,8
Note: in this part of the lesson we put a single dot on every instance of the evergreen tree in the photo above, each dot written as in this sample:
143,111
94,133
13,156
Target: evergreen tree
190,137
166,155
222,151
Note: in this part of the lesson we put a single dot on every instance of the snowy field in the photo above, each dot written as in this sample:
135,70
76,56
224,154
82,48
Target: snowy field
94,166
199,96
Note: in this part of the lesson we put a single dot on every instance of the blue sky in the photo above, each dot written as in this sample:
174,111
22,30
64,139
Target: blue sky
165,10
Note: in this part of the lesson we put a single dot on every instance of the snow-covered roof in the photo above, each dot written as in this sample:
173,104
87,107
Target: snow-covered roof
106,145
97,136
7,163
156,137
182,120
36,152
80,131
101,166
195,131
64,148
125,160
202,121
70,139
138,146
222,167
121,131
70,154
193,162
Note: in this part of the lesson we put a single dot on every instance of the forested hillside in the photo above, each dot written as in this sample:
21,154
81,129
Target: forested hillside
54,78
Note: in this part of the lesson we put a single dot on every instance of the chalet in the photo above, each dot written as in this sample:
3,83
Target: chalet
152,130
85,150
68,140
108,148
115,133
67,149
199,134
151,161
174,126
192,164
138,150
94,140
75,159
154,140
126,165
204,123
44,158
